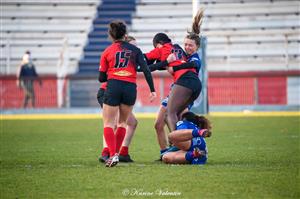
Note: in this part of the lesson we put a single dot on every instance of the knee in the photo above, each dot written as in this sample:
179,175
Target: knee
167,158
171,137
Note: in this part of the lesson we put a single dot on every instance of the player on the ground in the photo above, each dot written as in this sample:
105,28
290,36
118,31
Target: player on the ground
189,146
118,67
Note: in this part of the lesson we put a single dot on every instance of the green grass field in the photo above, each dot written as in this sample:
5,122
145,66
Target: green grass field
249,157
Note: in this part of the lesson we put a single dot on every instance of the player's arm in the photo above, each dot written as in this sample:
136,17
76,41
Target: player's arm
19,70
103,69
157,66
144,68
153,54
187,134
149,61
102,76
36,75
186,65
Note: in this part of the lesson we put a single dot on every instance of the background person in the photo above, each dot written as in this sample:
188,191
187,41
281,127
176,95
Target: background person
26,76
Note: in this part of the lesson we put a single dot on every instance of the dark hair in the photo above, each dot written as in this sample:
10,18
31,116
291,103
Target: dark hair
117,30
201,121
195,33
161,38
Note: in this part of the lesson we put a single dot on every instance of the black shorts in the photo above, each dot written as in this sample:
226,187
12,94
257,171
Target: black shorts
191,80
120,92
100,96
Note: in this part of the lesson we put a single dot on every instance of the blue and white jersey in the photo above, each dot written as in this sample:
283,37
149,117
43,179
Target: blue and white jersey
198,142
183,124
195,57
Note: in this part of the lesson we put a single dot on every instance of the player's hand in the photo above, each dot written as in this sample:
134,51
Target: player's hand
170,70
197,153
171,58
204,133
152,96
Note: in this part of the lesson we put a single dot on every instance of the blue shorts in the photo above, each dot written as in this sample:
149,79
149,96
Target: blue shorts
164,103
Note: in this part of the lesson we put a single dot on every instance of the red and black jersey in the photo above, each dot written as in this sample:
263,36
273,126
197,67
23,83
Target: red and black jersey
162,54
120,60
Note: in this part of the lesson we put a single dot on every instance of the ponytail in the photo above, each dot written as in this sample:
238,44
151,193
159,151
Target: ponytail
198,21
196,27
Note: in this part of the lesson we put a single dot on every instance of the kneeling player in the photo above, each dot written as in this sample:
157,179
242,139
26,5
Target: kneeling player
189,140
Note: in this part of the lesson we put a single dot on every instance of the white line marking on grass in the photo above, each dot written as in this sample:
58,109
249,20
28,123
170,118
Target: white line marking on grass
140,115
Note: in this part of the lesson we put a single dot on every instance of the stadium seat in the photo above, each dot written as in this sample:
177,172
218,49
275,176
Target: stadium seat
245,31
41,27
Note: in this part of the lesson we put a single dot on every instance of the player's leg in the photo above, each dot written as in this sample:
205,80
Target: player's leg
128,100
159,128
177,157
26,98
131,126
32,94
184,111
109,114
193,156
124,112
111,105
182,138
179,99
105,151
26,94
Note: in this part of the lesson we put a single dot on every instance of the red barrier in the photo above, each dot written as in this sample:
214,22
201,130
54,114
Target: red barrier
240,88
231,91
162,87
272,90
12,96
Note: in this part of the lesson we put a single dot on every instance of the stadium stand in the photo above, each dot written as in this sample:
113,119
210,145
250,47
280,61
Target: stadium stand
97,38
83,92
252,51
41,27
242,35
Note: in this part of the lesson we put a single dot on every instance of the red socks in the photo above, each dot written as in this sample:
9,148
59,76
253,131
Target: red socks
120,134
105,151
110,139
124,150
114,142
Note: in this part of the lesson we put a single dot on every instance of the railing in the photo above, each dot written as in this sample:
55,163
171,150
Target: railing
224,89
